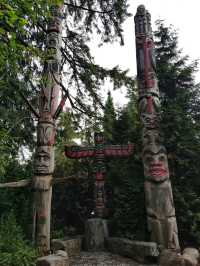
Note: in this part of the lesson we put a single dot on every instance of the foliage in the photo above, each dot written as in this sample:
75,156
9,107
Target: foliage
124,178
18,199
4,154
14,250
180,124
72,201
23,30
109,119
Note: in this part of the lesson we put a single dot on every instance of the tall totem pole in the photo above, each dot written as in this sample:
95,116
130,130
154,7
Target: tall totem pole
48,112
161,217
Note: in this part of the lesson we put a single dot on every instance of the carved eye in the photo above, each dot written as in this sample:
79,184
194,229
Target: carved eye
162,157
148,159
46,158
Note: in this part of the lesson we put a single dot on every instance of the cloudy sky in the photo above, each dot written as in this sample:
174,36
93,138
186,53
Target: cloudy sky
184,15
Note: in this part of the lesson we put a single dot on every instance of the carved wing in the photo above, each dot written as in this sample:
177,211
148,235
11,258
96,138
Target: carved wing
77,152
118,150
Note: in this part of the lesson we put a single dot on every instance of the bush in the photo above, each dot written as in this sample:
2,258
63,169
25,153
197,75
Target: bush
14,249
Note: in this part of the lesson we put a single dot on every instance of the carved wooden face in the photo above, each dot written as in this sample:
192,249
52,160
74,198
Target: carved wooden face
149,104
52,40
141,10
152,137
44,160
98,138
143,91
46,133
99,195
150,121
155,163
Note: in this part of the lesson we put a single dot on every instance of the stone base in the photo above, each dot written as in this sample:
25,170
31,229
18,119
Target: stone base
58,259
140,251
96,231
189,257
71,245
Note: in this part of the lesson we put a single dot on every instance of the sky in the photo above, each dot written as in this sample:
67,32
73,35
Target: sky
182,14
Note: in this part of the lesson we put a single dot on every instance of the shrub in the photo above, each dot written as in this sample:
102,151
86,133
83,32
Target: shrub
14,249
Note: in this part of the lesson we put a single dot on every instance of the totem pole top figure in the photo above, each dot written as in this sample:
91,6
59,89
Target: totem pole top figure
146,67
149,103
143,22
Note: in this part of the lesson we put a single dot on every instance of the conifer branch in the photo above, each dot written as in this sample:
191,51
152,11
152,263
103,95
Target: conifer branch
88,9
29,105
67,95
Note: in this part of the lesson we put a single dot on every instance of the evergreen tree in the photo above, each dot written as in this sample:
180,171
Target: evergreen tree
23,31
124,178
180,124
109,119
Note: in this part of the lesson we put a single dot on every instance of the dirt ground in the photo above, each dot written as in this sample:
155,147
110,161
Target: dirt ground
103,259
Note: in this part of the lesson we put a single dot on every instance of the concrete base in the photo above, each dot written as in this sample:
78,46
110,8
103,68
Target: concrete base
140,251
58,259
71,245
96,231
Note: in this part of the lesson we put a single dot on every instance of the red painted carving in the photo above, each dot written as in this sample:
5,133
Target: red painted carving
99,153
48,106
159,200
157,170
99,176
76,152
149,104
118,150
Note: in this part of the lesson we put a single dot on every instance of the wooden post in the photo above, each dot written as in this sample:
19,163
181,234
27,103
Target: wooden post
44,155
159,199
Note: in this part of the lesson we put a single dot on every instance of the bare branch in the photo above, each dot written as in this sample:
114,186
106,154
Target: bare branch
21,183
29,105
25,99
68,178
27,182
89,10
60,107
67,94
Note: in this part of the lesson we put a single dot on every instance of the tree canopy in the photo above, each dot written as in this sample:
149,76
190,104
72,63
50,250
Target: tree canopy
23,29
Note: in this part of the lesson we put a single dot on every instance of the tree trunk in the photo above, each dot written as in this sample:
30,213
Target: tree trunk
159,199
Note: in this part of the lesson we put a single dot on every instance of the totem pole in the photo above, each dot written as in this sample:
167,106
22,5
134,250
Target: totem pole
48,112
158,192
99,152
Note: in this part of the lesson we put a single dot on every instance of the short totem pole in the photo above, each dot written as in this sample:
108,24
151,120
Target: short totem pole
49,110
99,152
158,192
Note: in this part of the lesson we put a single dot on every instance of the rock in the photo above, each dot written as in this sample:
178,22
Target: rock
169,258
192,252
71,245
138,250
61,253
53,260
96,231
172,258
191,255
